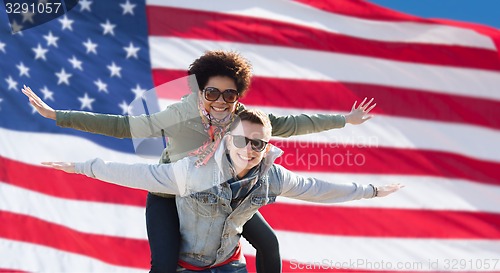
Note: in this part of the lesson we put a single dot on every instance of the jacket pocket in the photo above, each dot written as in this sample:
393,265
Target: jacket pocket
260,201
204,203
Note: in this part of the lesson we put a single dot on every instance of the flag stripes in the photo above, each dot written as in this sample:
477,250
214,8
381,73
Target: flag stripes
435,129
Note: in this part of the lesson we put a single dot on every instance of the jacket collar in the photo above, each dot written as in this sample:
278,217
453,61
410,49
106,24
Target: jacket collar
192,103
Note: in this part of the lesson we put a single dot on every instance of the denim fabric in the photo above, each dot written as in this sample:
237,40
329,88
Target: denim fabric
164,237
233,267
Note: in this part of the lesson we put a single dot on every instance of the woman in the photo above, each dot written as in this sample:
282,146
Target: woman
196,125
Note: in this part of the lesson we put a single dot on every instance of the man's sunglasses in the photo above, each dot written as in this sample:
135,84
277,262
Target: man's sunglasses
256,144
213,94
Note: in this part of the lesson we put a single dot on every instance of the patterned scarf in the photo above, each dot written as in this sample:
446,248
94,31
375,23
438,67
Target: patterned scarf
216,129
242,187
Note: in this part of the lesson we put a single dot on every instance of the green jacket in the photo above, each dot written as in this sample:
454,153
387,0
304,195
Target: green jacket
181,123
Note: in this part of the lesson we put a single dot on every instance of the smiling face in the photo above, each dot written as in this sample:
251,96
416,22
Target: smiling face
244,159
219,109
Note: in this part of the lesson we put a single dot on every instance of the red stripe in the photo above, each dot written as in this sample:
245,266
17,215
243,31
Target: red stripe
339,96
71,186
5,270
402,223
118,251
112,250
367,10
362,9
193,24
320,157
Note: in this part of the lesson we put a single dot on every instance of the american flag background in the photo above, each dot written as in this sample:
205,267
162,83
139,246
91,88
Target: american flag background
436,130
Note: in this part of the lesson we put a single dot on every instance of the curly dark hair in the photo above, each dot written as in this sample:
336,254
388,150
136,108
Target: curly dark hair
222,63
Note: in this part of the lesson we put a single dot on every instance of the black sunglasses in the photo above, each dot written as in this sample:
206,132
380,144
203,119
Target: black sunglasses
213,94
242,141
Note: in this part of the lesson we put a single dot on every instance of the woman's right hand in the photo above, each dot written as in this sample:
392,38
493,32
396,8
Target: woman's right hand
42,108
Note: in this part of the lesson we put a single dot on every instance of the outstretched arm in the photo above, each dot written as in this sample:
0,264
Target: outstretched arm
110,125
316,190
163,178
291,125
142,126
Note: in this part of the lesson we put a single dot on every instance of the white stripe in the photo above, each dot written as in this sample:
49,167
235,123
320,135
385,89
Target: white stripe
420,192
395,132
21,146
291,63
84,216
298,14
36,258
398,254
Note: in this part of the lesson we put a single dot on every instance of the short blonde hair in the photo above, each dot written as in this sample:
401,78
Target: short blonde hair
254,116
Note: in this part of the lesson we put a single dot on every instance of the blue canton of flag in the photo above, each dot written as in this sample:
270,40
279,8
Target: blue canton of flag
94,58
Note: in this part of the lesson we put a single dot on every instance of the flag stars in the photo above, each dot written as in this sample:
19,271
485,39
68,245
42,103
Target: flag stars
28,16
101,86
16,27
90,46
12,83
85,5
1,103
126,109
115,70
47,94
66,23
108,28
2,47
63,77
138,91
40,52
86,102
23,70
77,64
128,8
131,51
51,39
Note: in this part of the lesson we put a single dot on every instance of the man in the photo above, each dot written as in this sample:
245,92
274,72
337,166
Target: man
215,200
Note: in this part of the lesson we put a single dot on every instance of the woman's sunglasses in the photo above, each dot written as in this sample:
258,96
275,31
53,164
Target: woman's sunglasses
213,94
242,141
